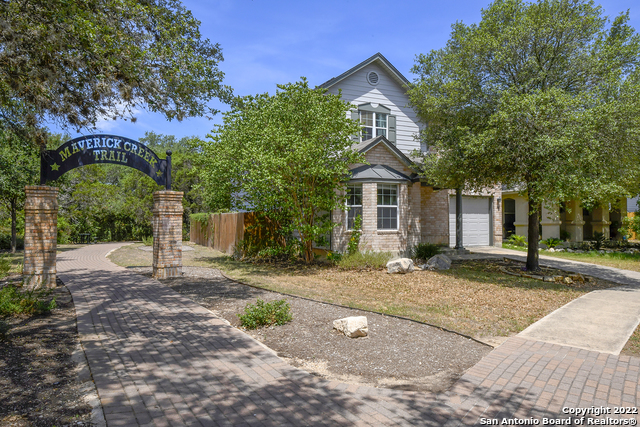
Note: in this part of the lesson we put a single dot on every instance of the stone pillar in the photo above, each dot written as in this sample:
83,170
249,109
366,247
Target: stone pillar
574,221
550,221
167,234
600,221
40,236
522,216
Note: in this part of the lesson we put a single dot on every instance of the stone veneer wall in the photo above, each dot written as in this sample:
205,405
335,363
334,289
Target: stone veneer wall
40,236
167,234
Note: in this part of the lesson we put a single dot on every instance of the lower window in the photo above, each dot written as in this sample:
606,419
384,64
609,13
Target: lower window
387,207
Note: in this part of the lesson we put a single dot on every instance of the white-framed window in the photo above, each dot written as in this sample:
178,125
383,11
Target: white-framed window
373,124
354,203
387,206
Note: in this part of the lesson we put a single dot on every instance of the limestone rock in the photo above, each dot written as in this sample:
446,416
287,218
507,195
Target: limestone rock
400,265
439,262
353,327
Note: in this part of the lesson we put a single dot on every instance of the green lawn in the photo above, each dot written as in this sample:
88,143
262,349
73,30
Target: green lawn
616,260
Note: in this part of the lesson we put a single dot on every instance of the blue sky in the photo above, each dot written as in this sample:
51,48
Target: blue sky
265,43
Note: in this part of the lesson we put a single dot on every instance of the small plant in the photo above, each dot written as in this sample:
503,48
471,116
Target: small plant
5,265
565,235
265,314
334,257
147,240
425,251
354,242
551,242
598,239
13,302
517,240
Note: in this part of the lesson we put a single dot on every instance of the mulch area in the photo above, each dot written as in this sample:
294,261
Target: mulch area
38,378
398,353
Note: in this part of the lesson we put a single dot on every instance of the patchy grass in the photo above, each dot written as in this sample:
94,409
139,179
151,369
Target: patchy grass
614,259
10,263
472,298
632,347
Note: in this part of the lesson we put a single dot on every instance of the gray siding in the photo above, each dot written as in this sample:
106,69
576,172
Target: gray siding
388,92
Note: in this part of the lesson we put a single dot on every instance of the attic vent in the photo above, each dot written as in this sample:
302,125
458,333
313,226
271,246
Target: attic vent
372,78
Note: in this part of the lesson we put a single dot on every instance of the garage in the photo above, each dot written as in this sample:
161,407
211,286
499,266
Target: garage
476,221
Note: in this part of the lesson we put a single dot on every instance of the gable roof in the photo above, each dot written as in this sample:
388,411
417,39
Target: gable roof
367,145
380,60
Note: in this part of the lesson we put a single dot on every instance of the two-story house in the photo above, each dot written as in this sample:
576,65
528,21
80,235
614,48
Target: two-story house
397,207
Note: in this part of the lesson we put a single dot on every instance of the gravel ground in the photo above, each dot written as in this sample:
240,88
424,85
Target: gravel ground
398,353
38,377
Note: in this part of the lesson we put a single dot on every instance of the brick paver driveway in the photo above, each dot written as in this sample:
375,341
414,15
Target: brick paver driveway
159,359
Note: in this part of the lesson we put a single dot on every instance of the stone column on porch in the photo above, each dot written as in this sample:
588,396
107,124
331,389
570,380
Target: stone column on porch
167,234
522,216
40,236
574,221
600,221
550,221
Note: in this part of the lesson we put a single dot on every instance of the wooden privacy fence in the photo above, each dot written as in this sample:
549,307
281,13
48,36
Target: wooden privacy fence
221,232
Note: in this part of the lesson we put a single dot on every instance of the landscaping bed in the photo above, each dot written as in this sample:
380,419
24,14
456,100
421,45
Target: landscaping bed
38,377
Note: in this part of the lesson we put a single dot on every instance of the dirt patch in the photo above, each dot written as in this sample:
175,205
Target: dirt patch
398,353
38,378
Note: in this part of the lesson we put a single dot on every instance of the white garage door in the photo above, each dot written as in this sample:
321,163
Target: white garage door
476,221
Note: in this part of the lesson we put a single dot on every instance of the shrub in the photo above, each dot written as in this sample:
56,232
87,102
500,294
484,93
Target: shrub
13,302
517,240
334,257
565,235
551,242
598,240
147,240
265,314
425,251
5,265
362,260
5,241
354,242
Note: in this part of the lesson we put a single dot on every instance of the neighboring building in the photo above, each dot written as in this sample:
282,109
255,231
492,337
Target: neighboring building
566,221
399,210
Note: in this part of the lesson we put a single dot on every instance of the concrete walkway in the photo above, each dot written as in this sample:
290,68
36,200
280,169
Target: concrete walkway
602,320
159,359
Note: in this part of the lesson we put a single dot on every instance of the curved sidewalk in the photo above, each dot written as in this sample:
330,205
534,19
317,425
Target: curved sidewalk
601,320
159,359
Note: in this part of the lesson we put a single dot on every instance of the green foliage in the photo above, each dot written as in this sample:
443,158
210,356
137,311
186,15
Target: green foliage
334,257
265,314
540,96
365,260
552,242
424,251
148,241
565,235
598,239
5,265
285,155
354,241
75,62
14,302
517,240
5,242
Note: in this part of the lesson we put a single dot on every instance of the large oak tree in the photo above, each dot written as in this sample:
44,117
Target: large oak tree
542,97
83,60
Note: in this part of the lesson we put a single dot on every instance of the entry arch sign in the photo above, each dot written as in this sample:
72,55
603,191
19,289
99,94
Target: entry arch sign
103,148
41,205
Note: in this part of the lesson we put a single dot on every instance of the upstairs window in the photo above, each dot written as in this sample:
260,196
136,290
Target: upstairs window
373,124
354,204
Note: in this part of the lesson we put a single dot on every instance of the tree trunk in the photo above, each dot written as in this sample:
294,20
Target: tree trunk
14,213
308,252
533,236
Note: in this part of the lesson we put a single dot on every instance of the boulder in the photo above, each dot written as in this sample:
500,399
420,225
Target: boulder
542,246
353,327
439,262
400,265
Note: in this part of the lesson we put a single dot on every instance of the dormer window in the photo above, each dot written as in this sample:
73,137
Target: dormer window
375,120
373,124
